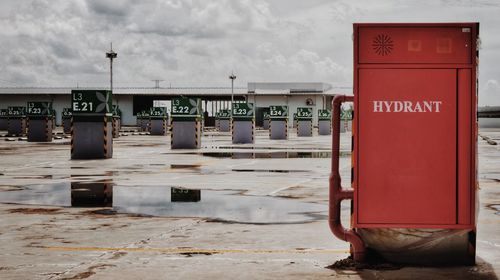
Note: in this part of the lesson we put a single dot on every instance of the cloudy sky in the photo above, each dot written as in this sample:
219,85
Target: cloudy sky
199,42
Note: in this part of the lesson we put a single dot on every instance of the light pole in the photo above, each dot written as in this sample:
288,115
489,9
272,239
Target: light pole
157,83
232,77
111,55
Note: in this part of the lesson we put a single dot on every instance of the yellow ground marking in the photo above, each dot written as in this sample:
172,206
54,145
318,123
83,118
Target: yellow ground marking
202,251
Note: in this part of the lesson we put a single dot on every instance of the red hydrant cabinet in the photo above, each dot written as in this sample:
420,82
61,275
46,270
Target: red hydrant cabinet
414,136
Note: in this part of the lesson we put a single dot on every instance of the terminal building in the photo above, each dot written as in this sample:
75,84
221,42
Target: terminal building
132,100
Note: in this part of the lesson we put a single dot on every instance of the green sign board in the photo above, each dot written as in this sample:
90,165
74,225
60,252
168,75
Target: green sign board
16,111
304,113
242,111
346,114
66,113
278,112
94,102
37,108
324,114
3,112
266,116
158,112
186,107
224,114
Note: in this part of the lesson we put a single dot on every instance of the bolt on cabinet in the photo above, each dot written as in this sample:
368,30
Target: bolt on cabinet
414,143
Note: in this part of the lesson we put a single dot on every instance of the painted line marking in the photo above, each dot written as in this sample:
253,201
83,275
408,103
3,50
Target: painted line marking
202,251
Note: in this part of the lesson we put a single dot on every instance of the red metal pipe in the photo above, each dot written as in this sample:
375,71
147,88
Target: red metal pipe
336,193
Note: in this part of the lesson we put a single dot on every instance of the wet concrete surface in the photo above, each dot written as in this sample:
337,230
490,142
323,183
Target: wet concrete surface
164,201
226,211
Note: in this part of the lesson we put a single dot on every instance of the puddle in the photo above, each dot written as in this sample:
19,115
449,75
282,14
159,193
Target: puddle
269,170
226,206
267,148
218,206
241,155
144,145
58,194
34,210
107,173
92,194
10,188
33,177
185,166
184,195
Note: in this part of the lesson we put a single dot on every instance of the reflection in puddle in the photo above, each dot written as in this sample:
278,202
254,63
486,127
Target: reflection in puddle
184,195
90,175
33,177
235,155
229,206
242,155
58,194
269,170
185,166
92,194
224,206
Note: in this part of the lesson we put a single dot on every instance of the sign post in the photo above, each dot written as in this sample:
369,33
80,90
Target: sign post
92,130
4,119
186,123
304,121
117,121
40,121
144,121
243,123
278,122
346,119
265,122
324,122
16,125
66,118
224,120
158,123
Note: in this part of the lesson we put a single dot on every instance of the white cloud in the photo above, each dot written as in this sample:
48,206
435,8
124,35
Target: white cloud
198,42
490,94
